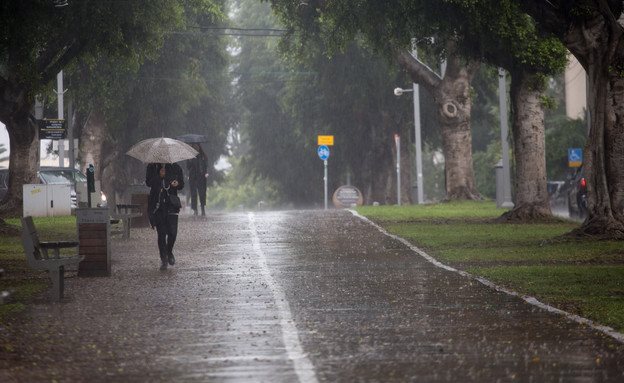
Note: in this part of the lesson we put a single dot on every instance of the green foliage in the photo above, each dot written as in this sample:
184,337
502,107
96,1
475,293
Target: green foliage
485,175
561,134
288,101
2,150
242,191
180,86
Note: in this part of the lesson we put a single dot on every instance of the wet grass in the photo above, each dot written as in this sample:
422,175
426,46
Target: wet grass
23,282
591,291
583,277
448,210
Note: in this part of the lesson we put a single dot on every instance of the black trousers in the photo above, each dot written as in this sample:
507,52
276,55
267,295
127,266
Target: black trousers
167,229
198,188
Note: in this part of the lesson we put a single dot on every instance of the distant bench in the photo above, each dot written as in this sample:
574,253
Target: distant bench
39,259
125,213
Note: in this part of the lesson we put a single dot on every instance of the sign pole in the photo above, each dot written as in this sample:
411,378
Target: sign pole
325,181
59,94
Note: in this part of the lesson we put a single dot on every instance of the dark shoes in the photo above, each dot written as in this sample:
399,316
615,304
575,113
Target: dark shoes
171,259
163,265
203,211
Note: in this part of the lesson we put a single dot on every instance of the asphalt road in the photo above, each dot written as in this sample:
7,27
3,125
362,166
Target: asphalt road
293,296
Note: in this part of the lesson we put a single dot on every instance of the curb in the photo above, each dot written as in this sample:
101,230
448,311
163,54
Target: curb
527,298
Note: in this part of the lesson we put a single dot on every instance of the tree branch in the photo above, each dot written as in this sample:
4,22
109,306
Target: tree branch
418,71
50,71
548,15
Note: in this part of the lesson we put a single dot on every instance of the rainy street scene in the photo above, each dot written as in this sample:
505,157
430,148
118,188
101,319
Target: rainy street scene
311,191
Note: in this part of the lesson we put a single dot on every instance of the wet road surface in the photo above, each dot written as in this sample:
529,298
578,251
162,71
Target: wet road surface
294,296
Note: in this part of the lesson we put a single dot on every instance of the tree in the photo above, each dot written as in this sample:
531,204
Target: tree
40,39
287,102
181,88
390,27
592,32
494,32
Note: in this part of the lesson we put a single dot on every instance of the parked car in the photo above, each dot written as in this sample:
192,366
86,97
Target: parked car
576,188
56,175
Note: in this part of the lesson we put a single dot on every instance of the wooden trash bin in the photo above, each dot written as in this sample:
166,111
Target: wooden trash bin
94,242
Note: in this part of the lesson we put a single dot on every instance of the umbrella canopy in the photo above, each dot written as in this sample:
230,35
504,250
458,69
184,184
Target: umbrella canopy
192,138
162,150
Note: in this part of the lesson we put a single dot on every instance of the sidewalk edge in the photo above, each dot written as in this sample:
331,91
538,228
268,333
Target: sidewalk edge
527,298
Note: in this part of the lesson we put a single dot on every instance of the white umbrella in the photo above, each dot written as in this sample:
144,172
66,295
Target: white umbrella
162,150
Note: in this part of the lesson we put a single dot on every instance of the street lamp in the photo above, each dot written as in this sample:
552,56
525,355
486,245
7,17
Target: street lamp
420,195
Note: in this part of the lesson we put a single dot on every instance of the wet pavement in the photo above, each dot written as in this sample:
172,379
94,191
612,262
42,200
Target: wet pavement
294,296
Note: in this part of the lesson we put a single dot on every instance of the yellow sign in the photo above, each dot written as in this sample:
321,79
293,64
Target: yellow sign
326,140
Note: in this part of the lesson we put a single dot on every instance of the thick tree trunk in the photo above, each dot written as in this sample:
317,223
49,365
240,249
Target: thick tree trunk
91,142
452,97
604,154
24,156
531,195
596,46
596,38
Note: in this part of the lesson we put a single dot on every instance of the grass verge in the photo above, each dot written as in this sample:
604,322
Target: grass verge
583,277
23,282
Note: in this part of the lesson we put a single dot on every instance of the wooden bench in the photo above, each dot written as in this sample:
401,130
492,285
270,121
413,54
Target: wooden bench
125,212
39,259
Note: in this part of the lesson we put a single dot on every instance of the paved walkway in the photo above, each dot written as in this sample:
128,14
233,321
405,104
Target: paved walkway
294,296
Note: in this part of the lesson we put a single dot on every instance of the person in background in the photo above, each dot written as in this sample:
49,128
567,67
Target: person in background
163,206
198,173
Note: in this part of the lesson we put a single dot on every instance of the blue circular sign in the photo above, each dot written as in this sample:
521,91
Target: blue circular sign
323,152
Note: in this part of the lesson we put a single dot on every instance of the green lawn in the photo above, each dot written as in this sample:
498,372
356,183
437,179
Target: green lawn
19,278
584,277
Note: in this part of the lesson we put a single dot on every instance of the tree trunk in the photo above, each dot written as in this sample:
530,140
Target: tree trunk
452,97
596,38
531,194
604,154
596,46
24,156
91,141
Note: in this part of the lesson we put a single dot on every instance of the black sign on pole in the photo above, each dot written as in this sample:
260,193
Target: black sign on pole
52,129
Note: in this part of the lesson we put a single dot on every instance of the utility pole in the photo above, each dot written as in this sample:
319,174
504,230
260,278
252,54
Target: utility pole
59,95
70,133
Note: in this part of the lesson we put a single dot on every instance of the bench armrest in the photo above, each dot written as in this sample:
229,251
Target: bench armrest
58,245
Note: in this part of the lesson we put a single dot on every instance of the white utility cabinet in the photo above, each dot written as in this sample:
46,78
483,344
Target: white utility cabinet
47,200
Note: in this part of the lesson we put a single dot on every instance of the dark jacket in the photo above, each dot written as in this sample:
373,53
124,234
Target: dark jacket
153,180
197,168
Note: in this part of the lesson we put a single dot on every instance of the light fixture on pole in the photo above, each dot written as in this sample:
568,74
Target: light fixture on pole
420,193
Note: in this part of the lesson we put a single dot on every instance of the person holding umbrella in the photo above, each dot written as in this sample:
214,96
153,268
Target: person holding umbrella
164,181
198,173
165,178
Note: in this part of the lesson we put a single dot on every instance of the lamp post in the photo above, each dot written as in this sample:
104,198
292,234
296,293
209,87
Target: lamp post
420,195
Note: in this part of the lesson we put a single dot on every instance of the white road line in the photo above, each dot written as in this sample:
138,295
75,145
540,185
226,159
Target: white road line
302,365
527,298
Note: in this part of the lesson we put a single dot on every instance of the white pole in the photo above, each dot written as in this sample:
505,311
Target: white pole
504,121
325,181
59,95
70,133
420,192
397,140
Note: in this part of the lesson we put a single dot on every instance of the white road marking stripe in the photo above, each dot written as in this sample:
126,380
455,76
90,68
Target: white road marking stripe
302,365
527,298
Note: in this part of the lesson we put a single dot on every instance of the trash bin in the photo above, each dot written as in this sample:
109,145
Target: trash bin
94,242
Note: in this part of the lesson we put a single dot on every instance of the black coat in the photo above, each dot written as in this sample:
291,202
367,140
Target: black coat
155,183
